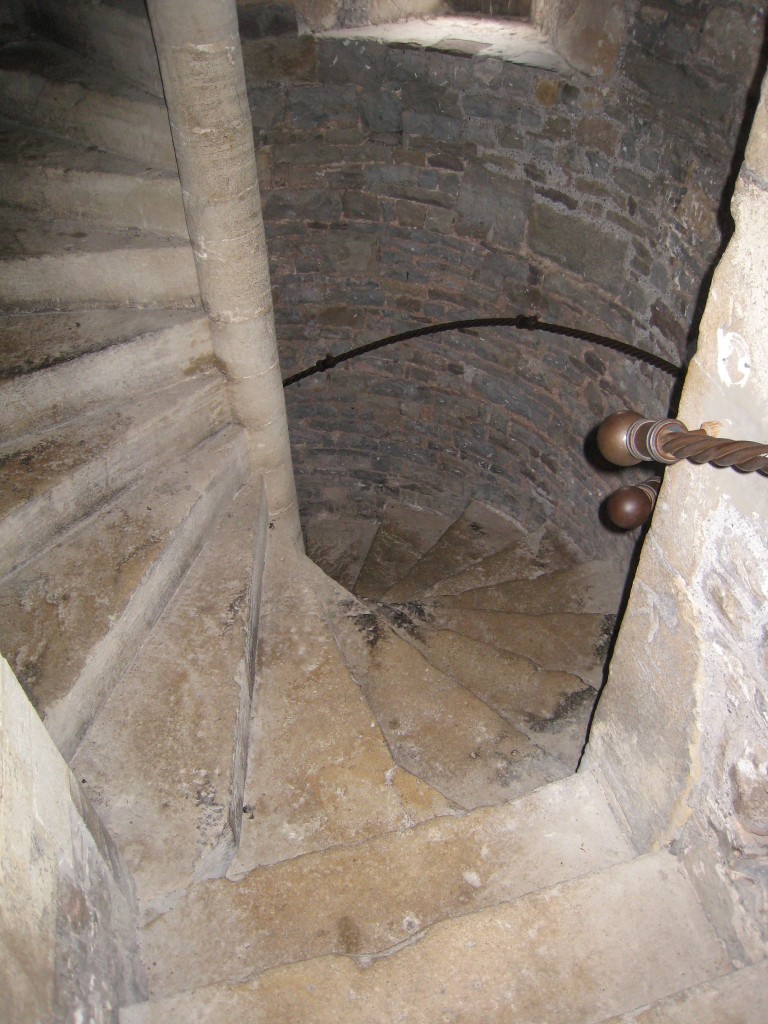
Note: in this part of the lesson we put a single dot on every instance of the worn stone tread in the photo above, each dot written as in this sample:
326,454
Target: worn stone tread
405,534
553,709
71,619
178,350
339,544
52,88
477,533
164,761
559,642
73,264
436,728
641,936
369,897
592,587
740,997
39,340
320,772
54,178
55,478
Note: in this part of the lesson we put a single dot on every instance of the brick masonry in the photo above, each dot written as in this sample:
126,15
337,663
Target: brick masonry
403,186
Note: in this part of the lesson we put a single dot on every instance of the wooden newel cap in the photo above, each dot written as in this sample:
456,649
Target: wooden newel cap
612,438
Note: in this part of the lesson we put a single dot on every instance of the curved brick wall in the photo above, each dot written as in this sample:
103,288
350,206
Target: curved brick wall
403,186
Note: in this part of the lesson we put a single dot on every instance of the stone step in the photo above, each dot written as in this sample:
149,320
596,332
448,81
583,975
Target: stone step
477,533
592,587
435,728
51,88
53,479
553,709
339,544
369,897
740,997
37,341
52,178
539,552
164,761
319,773
75,264
115,35
406,533
559,642
575,953
147,360
73,618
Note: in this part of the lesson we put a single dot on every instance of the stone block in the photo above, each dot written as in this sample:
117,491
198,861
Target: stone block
493,207
381,111
578,245
279,60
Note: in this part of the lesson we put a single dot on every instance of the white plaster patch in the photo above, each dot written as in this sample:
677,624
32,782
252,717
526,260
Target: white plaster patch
734,363
472,878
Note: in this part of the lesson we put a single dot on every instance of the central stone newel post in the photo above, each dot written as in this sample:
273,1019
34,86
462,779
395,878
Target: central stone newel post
198,46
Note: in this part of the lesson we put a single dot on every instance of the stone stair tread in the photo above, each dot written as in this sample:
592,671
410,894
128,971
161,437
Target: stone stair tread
368,897
559,642
740,997
157,354
592,587
480,531
48,86
405,534
61,612
24,237
552,709
54,478
539,552
319,773
436,728
339,544
164,761
56,178
36,341
642,935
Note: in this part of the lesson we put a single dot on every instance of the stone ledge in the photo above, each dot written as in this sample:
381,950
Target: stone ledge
514,41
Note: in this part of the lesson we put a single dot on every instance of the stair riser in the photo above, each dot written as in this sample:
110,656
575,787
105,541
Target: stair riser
116,200
39,400
133,277
68,721
118,39
118,124
32,526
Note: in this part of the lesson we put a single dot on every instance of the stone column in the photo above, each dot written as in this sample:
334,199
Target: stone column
198,46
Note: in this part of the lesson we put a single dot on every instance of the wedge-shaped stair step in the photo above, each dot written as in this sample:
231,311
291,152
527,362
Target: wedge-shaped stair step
46,86
117,36
370,897
740,997
552,709
405,534
73,619
436,728
37,341
602,944
36,401
74,264
560,642
164,761
320,772
53,178
592,587
537,553
339,544
55,478
477,533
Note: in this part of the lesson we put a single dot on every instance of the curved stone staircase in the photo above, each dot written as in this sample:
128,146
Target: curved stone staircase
393,832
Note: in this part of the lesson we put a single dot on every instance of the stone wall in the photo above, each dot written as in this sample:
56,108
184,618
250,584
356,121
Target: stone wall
681,734
68,949
403,185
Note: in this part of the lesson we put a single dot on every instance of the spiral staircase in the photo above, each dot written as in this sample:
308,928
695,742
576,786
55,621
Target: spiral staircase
374,816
